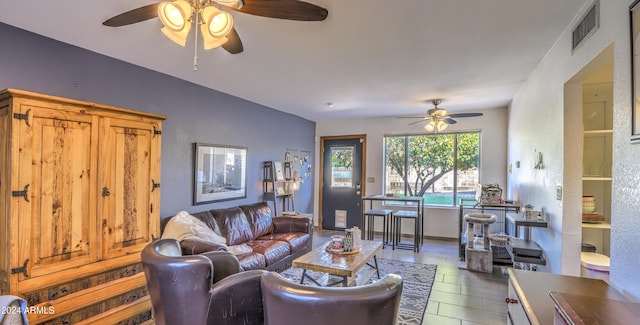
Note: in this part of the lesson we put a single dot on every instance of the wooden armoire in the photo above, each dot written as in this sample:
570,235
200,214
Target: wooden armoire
79,199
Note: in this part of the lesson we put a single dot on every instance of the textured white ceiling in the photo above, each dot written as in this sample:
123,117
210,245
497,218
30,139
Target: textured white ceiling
369,57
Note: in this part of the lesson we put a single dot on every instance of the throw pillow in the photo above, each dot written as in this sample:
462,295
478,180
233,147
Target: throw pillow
183,226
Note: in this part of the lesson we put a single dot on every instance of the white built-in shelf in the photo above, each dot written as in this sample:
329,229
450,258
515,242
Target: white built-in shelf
603,225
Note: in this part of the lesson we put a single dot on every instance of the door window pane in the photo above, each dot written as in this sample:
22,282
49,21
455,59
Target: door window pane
342,166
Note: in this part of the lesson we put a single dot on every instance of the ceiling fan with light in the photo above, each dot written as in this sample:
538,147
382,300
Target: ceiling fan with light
437,119
216,25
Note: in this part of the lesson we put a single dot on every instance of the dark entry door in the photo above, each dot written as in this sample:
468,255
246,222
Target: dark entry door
341,183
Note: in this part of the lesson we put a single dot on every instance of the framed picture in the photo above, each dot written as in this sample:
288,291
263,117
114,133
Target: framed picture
279,171
634,13
219,173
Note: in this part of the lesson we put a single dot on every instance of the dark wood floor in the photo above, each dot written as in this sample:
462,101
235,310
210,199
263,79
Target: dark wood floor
458,296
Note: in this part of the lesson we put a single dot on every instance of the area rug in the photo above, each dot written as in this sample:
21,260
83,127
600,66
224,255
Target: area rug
417,280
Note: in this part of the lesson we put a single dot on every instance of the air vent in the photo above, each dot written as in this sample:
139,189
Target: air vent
586,27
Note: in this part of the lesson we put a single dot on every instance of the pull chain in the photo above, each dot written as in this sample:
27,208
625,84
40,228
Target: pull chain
195,50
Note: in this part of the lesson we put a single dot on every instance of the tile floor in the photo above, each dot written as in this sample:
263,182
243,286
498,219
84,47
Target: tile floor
458,297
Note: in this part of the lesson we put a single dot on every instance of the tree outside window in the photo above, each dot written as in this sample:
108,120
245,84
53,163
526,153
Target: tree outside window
443,168
341,166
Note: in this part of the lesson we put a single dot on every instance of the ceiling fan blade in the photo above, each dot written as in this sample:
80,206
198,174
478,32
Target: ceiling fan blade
416,122
233,45
283,9
133,16
449,120
465,115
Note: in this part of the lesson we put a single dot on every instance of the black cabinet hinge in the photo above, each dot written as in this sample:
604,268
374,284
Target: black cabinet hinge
156,131
154,185
24,193
24,117
22,269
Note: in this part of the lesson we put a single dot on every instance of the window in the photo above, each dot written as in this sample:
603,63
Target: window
342,166
443,168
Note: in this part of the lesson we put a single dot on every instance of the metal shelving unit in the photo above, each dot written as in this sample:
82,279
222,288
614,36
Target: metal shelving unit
499,210
275,185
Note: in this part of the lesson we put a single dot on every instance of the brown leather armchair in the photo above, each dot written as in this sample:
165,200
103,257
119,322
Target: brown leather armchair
237,300
286,303
179,286
183,291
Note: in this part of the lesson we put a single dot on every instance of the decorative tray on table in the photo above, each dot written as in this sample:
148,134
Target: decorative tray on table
341,251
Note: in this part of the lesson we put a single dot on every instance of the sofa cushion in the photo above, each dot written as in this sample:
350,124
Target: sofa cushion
259,216
209,220
296,240
273,250
252,261
234,225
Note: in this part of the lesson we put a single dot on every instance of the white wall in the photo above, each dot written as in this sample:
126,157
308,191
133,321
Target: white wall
439,222
537,123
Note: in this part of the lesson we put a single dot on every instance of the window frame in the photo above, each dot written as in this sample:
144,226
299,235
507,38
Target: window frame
455,164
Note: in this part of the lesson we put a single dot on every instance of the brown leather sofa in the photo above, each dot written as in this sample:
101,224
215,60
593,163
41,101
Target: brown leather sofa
274,242
210,289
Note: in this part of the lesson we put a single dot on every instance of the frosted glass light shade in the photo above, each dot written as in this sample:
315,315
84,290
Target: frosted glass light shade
218,23
429,127
441,126
435,125
175,16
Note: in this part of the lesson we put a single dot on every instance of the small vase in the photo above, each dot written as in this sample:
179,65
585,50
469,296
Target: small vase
588,204
356,238
348,240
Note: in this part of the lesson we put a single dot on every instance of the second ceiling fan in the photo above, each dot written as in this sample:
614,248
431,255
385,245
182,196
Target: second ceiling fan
216,25
437,119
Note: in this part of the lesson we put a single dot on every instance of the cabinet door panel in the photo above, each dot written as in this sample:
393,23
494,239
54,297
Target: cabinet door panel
55,161
5,186
128,173
517,315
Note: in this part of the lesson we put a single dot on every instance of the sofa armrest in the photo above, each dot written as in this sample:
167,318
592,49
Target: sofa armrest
224,264
194,247
292,224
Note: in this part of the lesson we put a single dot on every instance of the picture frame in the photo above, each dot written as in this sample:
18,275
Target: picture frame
219,173
634,16
279,171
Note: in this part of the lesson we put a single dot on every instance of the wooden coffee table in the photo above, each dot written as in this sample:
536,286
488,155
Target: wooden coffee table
344,266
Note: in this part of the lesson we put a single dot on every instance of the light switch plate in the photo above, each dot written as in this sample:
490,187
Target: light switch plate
559,193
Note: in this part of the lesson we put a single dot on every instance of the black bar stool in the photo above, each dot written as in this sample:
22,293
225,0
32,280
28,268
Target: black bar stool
370,217
397,230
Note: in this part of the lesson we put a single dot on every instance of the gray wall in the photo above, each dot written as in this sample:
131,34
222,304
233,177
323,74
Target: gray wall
194,114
